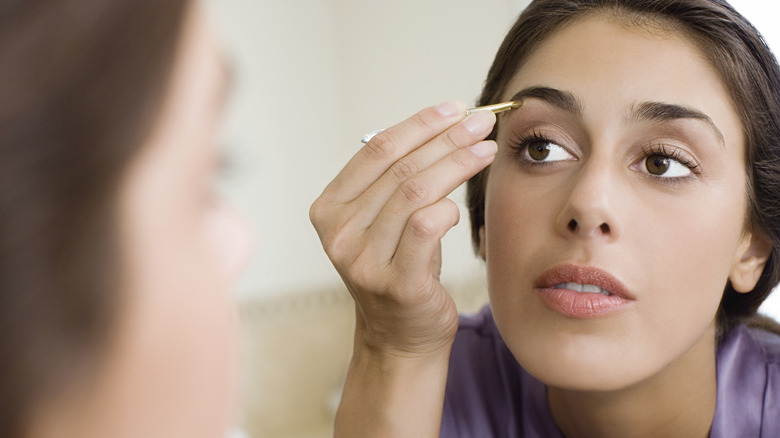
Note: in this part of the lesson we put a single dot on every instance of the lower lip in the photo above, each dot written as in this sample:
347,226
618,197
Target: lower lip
582,305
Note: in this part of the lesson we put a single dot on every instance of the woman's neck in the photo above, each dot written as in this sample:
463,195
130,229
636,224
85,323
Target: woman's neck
677,402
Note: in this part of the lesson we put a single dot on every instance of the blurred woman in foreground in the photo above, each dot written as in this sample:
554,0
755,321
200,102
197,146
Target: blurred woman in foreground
116,256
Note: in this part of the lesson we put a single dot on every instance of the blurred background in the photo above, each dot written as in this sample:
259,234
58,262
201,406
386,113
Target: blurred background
312,76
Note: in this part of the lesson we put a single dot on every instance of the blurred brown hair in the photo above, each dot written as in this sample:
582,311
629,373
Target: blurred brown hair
746,65
81,82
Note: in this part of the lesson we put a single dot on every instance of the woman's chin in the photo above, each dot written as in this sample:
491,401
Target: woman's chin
582,365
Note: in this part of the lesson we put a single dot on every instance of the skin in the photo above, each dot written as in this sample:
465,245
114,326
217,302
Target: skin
647,370
381,221
170,370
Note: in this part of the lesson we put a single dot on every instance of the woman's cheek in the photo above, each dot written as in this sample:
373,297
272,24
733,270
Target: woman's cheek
228,238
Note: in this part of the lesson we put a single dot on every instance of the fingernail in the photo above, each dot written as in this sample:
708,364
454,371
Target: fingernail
484,148
479,123
449,109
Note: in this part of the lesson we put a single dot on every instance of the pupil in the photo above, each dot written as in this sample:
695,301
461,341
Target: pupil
539,151
657,165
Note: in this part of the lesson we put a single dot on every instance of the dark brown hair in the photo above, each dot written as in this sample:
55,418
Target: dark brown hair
81,82
746,65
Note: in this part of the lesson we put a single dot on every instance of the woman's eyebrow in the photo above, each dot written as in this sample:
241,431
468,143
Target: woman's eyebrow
656,112
561,99
659,112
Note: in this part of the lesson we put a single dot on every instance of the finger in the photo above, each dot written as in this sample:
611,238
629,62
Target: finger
373,159
424,189
420,244
468,132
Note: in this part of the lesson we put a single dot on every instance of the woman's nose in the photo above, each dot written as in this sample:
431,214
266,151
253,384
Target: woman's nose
591,208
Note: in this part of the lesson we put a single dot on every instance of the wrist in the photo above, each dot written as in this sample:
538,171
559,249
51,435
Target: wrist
411,345
393,394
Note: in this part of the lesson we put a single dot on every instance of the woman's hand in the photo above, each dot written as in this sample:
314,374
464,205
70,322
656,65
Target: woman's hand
382,218
381,221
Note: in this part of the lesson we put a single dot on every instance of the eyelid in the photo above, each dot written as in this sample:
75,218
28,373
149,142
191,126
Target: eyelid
543,130
549,132
679,154
518,145
569,156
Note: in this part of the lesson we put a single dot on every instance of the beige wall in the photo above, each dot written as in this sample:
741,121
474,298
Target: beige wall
313,76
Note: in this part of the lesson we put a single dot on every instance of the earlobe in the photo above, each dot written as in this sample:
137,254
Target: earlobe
749,261
482,242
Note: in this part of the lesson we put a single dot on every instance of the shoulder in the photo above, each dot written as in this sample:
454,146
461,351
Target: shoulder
476,383
478,348
751,349
478,325
760,346
767,343
748,383
488,394
477,344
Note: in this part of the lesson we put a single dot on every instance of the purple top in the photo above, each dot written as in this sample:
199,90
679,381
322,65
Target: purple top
489,395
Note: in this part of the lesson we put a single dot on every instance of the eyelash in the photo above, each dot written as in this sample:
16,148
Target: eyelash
675,154
519,144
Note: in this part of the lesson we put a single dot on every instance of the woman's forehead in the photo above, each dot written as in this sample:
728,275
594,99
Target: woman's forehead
607,45
614,69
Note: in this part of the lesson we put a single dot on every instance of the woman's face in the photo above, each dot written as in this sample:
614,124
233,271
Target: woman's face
623,171
170,369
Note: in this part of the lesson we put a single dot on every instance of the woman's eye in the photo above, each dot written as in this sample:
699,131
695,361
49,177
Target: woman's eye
666,167
546,151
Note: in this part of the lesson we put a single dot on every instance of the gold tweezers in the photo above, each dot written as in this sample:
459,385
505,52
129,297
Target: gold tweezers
495,108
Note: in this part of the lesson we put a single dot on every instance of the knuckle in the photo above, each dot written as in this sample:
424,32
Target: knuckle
337,248
453,211
361,273
382,145
451,139
413,191
460,160
423,225
317,213
425,119
336,234
404,169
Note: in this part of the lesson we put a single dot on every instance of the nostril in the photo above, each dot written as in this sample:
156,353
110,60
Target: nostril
572,225
605,228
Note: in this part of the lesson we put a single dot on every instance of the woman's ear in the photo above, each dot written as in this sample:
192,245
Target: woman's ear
749,261
482,242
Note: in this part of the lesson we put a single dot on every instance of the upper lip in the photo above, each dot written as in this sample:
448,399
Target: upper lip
583,275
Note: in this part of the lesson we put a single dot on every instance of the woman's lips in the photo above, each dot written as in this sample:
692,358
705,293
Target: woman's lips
582,292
